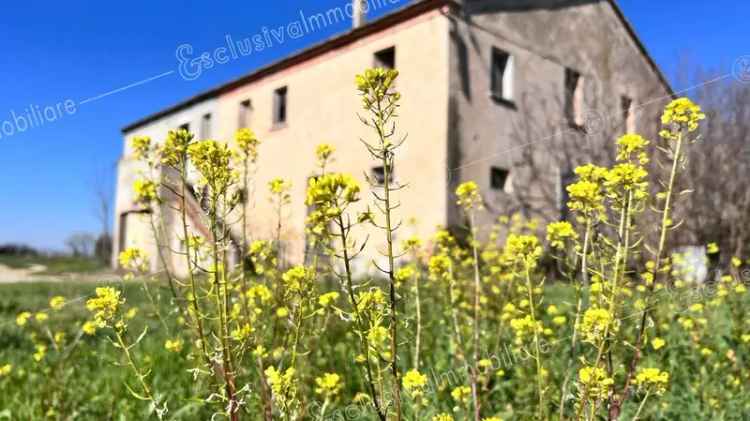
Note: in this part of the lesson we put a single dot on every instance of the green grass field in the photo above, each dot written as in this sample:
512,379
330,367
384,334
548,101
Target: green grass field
91,382
85,384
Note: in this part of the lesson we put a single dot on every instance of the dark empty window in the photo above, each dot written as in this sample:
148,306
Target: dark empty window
378,175
502,75
628,116
206,126
498,178
244,115
386,58
574,98
185,127
280,105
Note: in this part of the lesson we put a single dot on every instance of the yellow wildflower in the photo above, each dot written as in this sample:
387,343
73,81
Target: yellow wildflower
144,191
595,322
414,383
89,327
57,303
141,146
104,305
559,232
23,318
658,343
461,394
5,370
468,196
681,112
328,385
173,345
328,298
595,382
652,379
247,143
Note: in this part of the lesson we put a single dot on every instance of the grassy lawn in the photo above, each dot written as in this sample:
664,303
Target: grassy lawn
84,381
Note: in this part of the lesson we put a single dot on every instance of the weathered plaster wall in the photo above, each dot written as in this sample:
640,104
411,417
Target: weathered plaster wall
322,108
544,37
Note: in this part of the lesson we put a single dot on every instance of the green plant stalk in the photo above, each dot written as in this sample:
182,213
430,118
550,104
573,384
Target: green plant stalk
418,339
579,307
244,247
131,363
537,349
477,293
221,297
640,407
188,261
396,389
362,334
660,250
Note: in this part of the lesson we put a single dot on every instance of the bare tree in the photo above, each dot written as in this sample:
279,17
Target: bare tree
101,195
81,244
719,165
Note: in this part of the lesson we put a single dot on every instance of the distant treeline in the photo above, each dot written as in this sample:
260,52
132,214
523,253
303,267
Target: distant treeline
18,250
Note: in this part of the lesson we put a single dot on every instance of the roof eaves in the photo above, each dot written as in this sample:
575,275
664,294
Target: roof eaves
407,12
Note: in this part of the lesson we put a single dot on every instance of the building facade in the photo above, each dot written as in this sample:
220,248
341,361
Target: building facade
510,94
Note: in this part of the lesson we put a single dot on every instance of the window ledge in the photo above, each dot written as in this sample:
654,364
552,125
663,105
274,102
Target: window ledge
503,101
279,126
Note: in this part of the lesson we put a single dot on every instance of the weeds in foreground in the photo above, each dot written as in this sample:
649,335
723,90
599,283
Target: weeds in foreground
465,327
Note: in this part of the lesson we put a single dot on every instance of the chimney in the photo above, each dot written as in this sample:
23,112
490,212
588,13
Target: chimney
359,13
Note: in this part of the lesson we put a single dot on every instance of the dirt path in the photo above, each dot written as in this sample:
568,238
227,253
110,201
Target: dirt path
8,274
33,273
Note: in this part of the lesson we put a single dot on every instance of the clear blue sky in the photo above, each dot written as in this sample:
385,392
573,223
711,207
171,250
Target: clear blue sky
51,52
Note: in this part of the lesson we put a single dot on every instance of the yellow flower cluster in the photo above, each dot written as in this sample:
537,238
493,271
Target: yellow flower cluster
632,147
522,249
653,380
323,152
247,144
213,159
57,302
461,394
328,298
297,279
414,383
133,259
596,321
628,177
141,146
525,327
5,370
279,186
174,150
23,318
330,194
144,191
374,85
683,113
328,385
468,196
586,194
282,384
442,417
105,305
595,382
439,267
173,345
558,233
